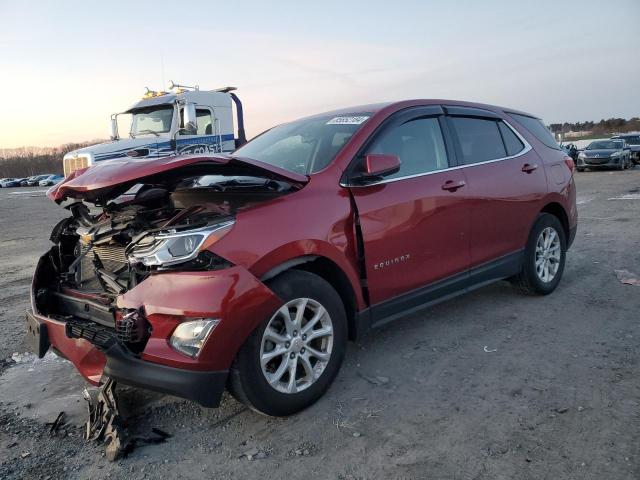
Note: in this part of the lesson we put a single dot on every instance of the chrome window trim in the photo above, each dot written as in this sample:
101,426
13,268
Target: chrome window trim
527,148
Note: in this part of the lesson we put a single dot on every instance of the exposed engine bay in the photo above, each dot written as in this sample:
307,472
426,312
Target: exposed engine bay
111,244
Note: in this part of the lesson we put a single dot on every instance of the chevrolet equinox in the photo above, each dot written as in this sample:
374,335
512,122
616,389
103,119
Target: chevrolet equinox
191,274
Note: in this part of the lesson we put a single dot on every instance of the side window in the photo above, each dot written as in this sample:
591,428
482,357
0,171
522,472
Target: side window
418,143
511,141
204,121
537,128
479,139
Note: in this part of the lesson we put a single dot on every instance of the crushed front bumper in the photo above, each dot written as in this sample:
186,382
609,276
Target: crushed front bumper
232,295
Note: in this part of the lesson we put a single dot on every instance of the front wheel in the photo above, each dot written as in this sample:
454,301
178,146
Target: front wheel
544,257
291,359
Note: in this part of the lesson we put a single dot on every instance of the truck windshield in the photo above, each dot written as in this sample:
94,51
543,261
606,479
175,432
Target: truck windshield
304,146
151,120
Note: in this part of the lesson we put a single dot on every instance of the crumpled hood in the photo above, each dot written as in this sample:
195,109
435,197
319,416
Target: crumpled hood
102,179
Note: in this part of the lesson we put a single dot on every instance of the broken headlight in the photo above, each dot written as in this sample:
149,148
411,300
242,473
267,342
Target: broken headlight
172,247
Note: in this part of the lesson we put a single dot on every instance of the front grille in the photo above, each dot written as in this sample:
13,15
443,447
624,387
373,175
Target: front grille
96,334
596,161
71,164
132,328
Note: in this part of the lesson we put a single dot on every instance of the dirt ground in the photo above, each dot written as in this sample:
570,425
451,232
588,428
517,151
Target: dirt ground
492,385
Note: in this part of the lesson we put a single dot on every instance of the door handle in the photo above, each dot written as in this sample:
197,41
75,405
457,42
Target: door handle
452,186
528,168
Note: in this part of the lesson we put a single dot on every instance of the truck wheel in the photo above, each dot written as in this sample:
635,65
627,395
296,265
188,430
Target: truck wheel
544,257
291,359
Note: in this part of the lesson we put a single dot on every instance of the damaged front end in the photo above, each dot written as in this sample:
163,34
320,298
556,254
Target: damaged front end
131,288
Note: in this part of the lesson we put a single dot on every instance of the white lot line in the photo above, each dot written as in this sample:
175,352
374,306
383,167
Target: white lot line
581,200
627,196
31,192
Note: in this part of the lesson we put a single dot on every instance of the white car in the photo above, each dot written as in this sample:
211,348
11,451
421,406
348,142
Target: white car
9,182
50,180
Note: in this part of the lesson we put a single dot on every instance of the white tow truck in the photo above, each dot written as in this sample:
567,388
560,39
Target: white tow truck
183,120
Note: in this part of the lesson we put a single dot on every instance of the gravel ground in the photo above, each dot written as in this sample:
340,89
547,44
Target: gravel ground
492,385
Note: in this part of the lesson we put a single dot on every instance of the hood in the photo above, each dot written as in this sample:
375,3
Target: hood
107,179
119,148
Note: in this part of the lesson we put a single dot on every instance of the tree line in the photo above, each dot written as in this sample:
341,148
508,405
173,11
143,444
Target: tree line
28,161
604,127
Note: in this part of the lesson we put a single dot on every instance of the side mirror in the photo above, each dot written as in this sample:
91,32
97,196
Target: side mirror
377,164
114,127
190,122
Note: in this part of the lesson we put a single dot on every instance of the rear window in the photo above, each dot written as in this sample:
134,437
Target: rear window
537,129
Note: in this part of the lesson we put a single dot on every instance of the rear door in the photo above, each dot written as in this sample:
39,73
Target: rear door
414,222
506,181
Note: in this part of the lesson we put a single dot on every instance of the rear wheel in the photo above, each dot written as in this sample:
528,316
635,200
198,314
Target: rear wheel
290,360
544,257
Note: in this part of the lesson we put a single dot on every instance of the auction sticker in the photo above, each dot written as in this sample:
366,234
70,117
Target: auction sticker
348,120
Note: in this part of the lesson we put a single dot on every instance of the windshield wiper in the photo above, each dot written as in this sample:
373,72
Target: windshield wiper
145,131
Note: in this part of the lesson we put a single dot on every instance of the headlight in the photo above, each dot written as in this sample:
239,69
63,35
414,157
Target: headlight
172,247
189,337
616,154
582,155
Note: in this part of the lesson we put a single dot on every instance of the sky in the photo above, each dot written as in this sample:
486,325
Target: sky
66,66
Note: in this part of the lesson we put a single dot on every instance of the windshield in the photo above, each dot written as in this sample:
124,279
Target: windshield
607,145
304,146
151,120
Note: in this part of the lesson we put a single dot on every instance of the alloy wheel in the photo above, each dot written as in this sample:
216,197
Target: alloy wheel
548,254
296,345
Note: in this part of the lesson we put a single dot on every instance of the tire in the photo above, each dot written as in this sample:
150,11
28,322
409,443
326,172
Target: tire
529,280
580,169
248,380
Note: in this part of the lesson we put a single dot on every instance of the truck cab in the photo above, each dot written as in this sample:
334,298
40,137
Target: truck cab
182,121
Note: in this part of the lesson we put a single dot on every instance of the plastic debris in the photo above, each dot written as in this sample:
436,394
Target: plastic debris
106,425
486,349
628,278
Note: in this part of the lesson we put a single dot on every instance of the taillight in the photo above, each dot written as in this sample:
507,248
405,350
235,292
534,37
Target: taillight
570,163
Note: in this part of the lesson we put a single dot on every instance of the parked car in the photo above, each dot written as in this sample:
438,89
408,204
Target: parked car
633,142
25,181
605,153
572,151
10,182
253,270
35,180
50,180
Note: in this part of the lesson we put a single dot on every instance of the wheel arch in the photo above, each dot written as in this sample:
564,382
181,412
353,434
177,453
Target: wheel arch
557,210
329,271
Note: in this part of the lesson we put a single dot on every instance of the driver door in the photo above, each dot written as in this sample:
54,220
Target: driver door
414,222
206,139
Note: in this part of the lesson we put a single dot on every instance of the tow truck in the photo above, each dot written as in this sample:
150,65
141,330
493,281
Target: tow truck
183,120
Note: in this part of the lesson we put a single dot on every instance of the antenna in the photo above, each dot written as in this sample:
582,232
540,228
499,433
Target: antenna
177,85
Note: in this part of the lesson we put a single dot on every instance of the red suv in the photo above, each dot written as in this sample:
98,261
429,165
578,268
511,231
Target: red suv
190,274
